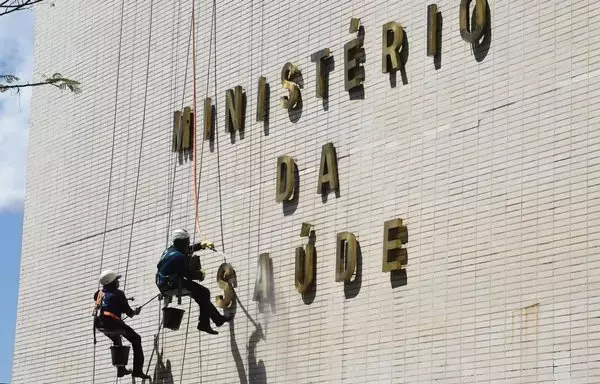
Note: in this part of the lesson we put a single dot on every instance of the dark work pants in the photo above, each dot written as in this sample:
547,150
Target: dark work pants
201,295
114,329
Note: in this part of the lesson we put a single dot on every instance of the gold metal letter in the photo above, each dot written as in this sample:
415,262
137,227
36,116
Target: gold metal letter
345,260
305,266
177,131
390,48
288,72
394,235
182,130
208,119
226,278
432,30
261,105
263,278
285,178
354,55
328,173
321,57
234,109
188,124
480,20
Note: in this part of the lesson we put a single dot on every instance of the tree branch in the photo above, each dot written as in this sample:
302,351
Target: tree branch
17,7
13,86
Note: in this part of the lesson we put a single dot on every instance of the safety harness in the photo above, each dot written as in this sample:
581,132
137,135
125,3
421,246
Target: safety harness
98,313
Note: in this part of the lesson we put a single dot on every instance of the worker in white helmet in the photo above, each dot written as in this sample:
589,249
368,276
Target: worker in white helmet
111,303
173,267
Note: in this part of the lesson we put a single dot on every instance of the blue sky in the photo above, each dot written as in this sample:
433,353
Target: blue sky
16,57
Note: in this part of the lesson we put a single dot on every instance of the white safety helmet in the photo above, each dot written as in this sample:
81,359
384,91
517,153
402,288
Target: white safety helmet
108,277
180,234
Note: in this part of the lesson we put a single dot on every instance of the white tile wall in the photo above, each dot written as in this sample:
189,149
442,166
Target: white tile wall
493,165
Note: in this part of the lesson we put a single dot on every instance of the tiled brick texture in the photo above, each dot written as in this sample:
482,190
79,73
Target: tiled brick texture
494,165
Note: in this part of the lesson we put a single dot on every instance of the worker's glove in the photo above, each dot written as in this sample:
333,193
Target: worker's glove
207,245
202,274
137,310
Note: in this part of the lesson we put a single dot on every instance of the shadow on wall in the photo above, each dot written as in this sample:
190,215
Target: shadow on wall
328,67
235,350
352,288
270,302
289,206
295,113
403,60
267,126
398,278
437,59
162,371
257,370
309,296
482,47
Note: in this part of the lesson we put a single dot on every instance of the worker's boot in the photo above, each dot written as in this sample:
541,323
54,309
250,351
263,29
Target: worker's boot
223,319
122,371
141,375
206,328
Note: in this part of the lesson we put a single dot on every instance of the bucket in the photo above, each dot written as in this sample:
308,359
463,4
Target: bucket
172,318
120,355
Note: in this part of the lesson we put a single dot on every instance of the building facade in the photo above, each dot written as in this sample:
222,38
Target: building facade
473,145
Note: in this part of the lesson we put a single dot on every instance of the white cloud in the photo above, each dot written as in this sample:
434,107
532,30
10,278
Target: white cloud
16,58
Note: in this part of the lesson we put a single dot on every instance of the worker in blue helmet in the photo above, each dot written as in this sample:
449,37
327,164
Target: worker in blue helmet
111,303
174,268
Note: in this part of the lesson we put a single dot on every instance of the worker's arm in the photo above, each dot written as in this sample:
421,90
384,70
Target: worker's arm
202,245
125,305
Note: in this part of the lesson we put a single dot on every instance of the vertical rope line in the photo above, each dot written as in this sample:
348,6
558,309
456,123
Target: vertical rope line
210,51
112,152
214,15
139,166
172,193
187,330
124,181
196,182
173,156
111,167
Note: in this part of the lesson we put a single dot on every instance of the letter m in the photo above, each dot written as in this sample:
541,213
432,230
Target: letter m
183,127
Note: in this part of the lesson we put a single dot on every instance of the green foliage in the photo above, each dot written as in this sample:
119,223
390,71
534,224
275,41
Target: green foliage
9,82
8,79
63,83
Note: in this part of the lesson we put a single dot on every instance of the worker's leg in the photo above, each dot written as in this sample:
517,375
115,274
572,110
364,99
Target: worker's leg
116,339
207,310
136,344
115,336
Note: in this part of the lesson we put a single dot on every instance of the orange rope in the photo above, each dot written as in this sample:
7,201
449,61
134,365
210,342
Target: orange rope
196,181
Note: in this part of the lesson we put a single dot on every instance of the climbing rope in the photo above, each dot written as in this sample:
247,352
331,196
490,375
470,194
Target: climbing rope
139,165
174,157
187,330
196,182
110,173
157,336
130,111
155,345
171,195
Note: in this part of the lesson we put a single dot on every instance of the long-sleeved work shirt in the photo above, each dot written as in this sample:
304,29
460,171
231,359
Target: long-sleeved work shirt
174,265
114,301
